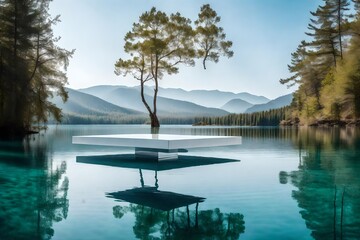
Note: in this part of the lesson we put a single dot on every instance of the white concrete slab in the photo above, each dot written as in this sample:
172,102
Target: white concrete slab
157,141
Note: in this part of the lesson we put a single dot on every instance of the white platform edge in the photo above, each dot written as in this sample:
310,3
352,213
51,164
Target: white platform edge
164,141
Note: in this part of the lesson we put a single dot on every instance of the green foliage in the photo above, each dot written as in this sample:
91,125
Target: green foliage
329,97
159,43
310,109
30,65
209,37
271,117
328,29
121,119
327,70
297,65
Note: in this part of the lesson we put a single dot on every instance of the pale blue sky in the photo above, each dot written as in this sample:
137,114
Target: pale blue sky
264,34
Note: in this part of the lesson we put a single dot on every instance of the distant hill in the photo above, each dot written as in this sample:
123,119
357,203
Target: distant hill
207,98
236,106
276,103
210,98
251,98
80,103
129,97
171,107
126,97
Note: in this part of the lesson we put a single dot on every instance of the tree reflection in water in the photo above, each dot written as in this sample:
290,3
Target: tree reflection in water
328,182
167,215
33,192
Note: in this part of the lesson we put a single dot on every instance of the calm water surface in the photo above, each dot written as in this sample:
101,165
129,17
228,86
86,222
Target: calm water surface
284,184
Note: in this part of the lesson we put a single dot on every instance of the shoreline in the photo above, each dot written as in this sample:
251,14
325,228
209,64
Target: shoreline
323,123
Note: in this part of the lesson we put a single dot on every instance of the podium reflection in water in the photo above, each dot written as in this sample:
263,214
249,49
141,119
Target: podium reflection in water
166,213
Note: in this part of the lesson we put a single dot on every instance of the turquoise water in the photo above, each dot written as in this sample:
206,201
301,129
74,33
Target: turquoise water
281,183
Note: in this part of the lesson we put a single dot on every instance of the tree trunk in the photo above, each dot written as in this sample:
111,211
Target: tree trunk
333,51
339,29
154,121
204,63
12,106
12,124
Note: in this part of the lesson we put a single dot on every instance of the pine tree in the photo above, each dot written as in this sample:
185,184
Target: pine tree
209,37
325,44
339,9
30,64
297,65
349,78
157,45
314,64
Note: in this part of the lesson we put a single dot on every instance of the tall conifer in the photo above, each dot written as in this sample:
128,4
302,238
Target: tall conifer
30,64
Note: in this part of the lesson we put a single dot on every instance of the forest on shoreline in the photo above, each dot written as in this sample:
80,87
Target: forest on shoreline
271,117
32,66
326,68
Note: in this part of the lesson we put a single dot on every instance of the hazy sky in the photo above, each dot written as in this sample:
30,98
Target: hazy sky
264,34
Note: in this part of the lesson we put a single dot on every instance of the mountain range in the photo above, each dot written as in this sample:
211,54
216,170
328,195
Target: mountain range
273,104
129,97
237,105
209,98
85,104
106,100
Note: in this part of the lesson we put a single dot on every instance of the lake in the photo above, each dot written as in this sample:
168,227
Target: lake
281,183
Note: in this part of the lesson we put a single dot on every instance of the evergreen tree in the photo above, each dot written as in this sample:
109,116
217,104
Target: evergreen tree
30,64
297,65
272,117
325,43
316,64
45,76
209,37
340,7
347,78
157,45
